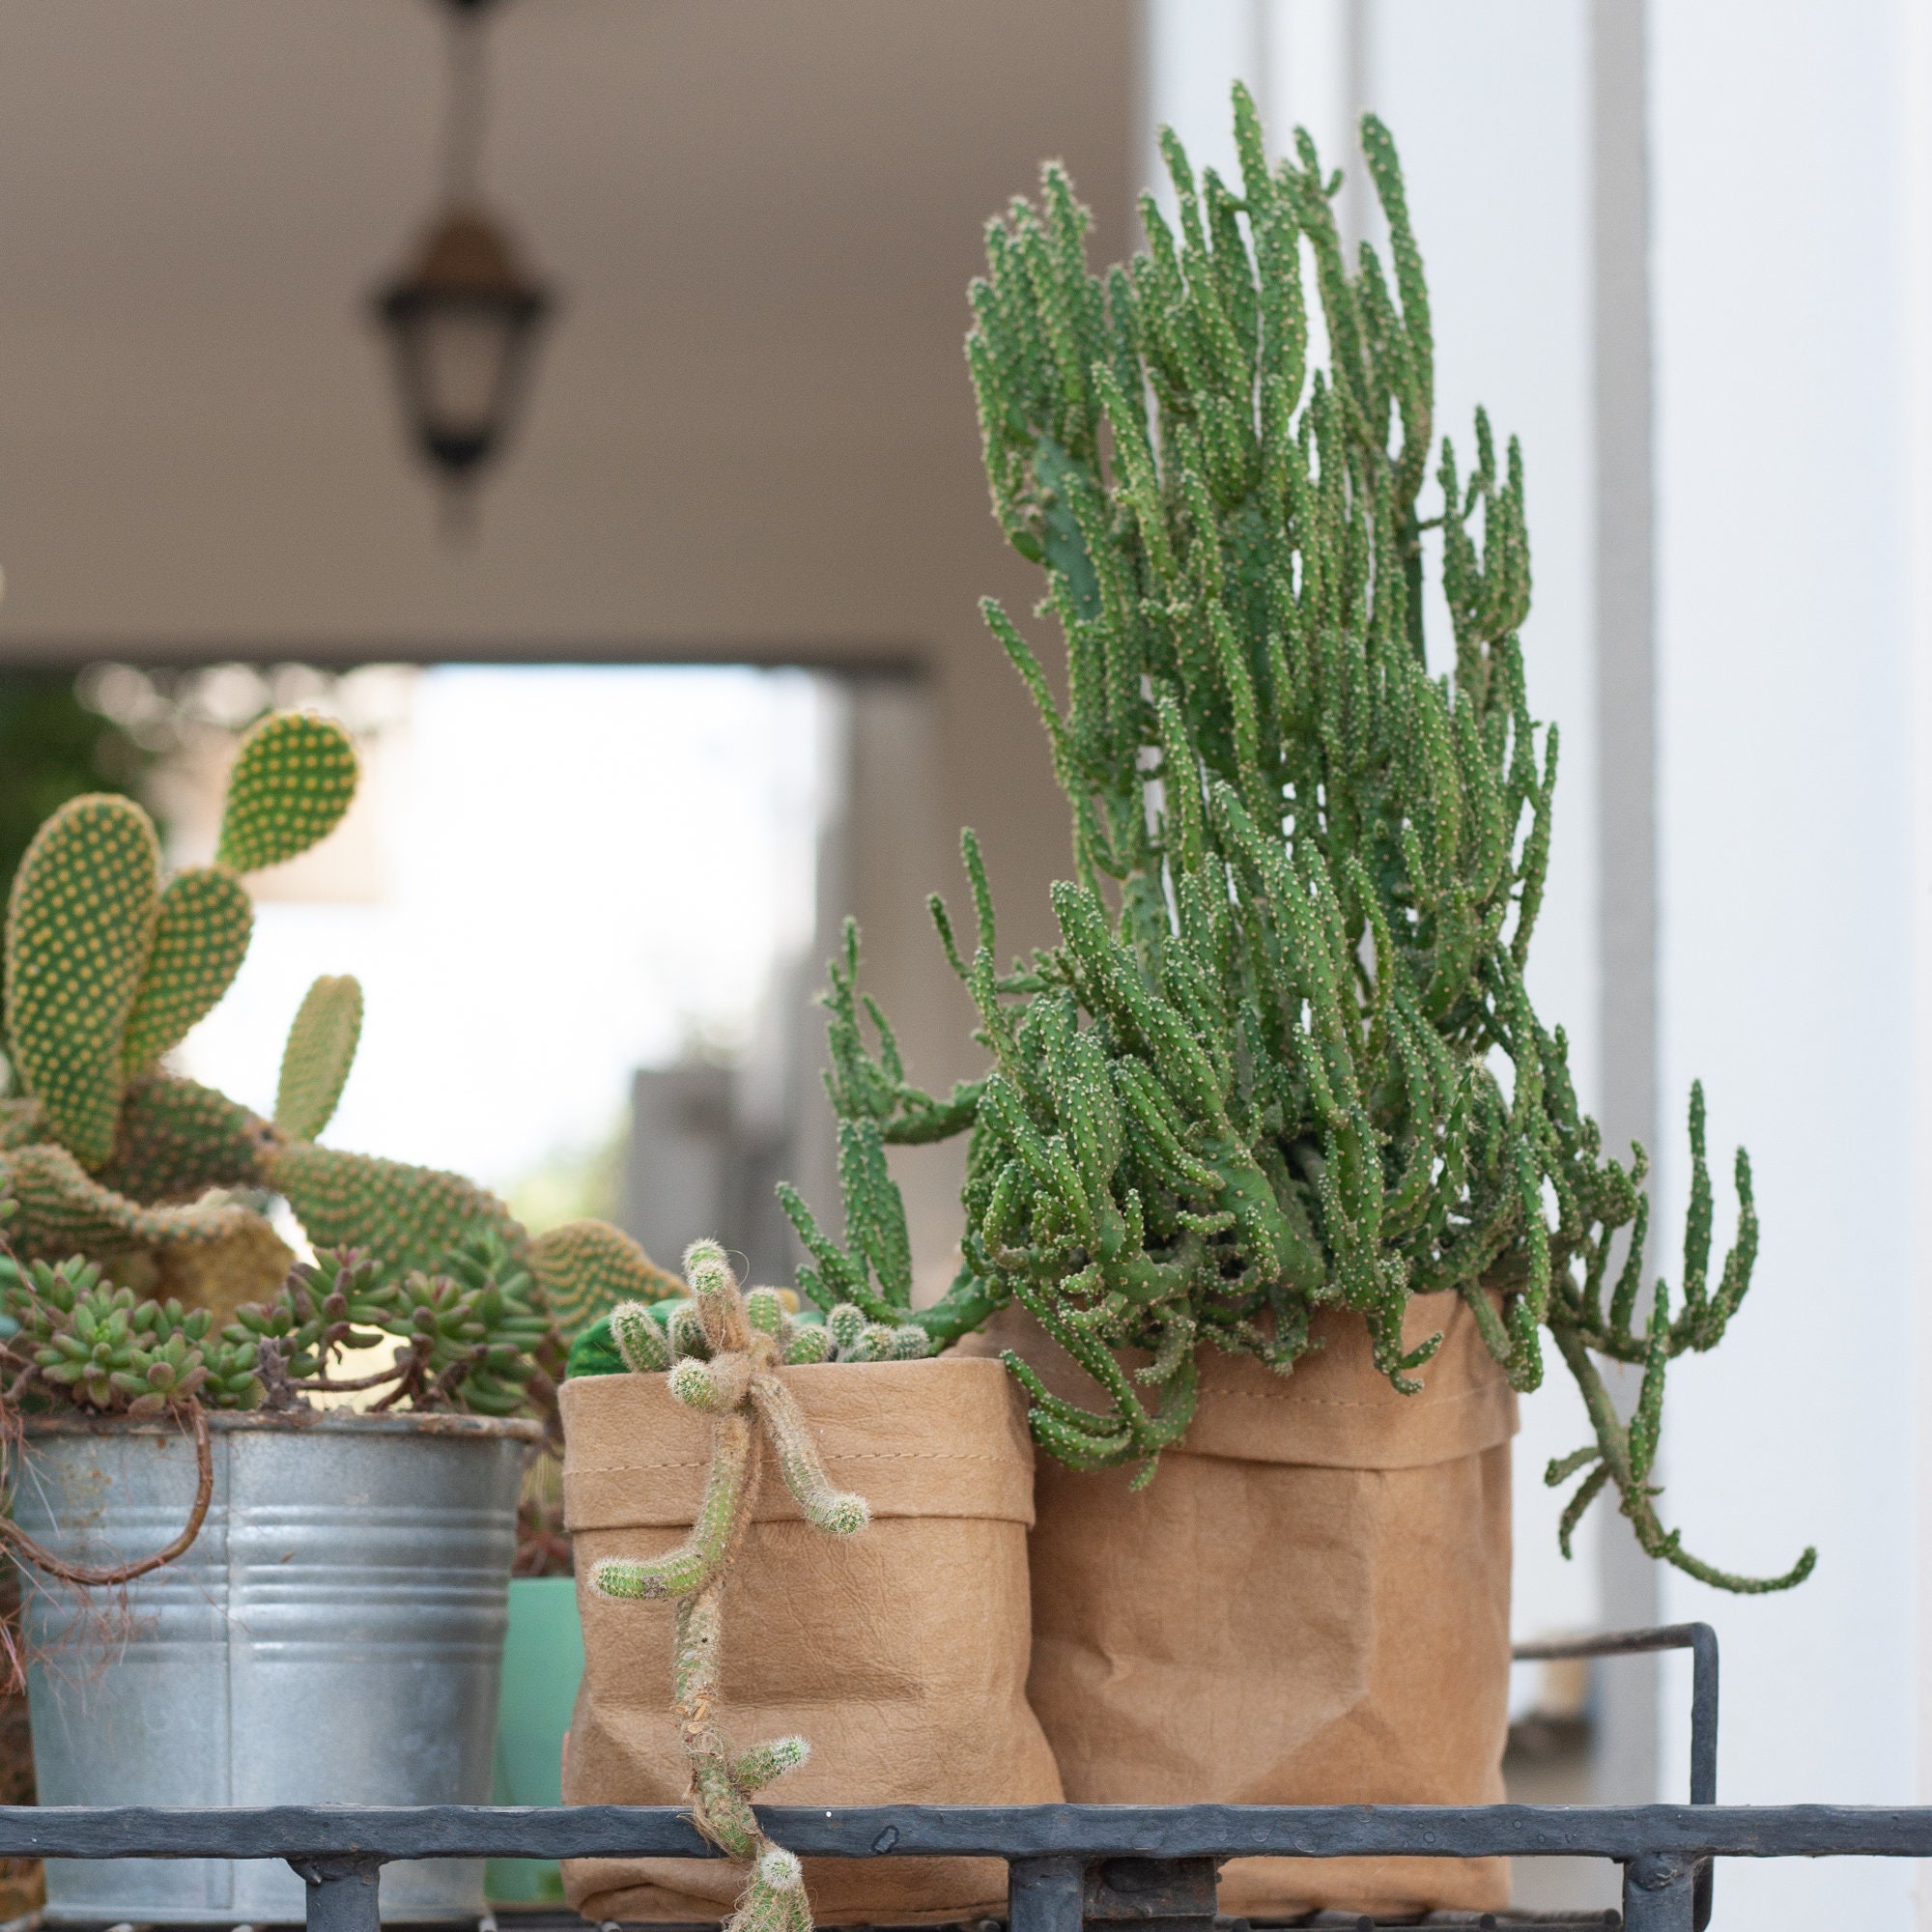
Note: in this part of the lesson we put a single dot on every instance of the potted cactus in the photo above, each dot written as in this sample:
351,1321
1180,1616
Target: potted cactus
203,1547
1277,1183
706,1437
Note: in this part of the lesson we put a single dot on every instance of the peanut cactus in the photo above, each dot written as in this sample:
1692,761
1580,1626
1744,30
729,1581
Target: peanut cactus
644,1337
1258,1073
734,1382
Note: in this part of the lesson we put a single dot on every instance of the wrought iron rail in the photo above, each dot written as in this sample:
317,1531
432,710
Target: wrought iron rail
340,1849
1120,1868
1702,1641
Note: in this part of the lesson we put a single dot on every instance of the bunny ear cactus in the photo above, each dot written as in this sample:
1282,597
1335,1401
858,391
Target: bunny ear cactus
1259,1074
409,1216
80,927
108,1156
588,1268
734,1383
107,971
205,922
292,780
320,1049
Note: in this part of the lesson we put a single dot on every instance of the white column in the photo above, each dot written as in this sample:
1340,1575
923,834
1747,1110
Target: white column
1918,77
1195,49
1788,978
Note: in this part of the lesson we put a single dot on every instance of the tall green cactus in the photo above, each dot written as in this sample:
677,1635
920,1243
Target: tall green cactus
1260,1073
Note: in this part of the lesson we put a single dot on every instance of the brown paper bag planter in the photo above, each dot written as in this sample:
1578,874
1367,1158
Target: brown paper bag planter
901,1653
1309,1605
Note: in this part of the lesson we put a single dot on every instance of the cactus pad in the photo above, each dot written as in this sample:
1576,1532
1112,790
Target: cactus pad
321,1050
292,781
201,937
178,1139
80,925
408,1217
61,1211
586,1267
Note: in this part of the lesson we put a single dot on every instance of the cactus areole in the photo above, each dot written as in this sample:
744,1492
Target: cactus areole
1283,1057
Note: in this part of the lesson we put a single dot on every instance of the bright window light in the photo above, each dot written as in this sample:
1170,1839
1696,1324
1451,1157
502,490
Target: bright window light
560,874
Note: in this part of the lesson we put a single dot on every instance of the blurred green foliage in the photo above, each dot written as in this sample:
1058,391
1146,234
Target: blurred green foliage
53,748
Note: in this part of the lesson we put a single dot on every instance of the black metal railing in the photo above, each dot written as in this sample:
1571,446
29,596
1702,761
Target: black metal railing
1702,1641
340,1849
1147,1867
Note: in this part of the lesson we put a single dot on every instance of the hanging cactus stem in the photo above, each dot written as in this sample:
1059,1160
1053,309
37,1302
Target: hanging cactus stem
735,1382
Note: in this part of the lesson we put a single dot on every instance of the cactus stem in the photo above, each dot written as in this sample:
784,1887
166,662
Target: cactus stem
739,1388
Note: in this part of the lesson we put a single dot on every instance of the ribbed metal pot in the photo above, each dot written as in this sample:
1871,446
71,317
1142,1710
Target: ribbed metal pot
335,1635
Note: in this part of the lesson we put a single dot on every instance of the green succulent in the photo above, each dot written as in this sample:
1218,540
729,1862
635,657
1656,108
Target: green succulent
474,1334
1283,1057
83,1341
337,1302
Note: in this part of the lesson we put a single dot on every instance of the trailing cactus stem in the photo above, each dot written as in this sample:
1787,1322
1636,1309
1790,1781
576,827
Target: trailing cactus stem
1634,1495
837,1512
739,1387
766,1764
729,1492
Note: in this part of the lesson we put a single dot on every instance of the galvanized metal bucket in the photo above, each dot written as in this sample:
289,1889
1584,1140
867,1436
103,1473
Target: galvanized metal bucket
335,1635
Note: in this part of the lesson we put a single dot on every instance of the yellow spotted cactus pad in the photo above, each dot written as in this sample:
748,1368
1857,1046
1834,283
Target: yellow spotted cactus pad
200,940
292,779
406,1217
178,1139
80,926
61,1210
586,1267
321,1050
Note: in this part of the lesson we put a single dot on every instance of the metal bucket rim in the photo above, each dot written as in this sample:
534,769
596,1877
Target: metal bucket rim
295,1422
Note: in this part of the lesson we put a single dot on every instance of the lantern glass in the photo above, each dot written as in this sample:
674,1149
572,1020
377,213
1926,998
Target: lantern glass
462,328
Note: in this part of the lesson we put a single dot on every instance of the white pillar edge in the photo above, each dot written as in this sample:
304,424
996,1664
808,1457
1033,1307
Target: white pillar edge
1916,86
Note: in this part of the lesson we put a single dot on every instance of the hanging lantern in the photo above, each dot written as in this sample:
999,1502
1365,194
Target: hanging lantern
463,322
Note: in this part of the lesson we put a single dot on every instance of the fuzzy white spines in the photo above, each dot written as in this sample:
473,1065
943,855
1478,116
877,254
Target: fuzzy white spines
640,1340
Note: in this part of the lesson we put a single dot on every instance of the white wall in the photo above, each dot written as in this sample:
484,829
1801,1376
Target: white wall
1782,246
